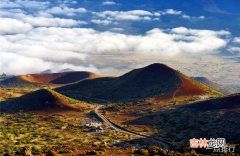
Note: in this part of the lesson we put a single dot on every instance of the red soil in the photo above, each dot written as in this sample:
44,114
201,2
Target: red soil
53,111
41,78
185,88
55,79
23,93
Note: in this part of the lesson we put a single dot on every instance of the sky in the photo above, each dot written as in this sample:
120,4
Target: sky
102,36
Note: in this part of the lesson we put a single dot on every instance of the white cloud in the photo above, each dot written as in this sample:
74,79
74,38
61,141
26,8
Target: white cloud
154,42
108,3
43,19
23,45
236,39
44,14
180,30
117,29
52,22
127,17
124,15
16,11
104,22
186,16
68,2
71,14
12,26
235,49
156,19
24,3
137,12
13,63
65,10
171,11
41,47
33,4
146,18
9,4
157,14
193,18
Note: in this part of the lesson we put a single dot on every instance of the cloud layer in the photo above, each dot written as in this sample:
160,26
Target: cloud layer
13,63
108,3
13,26
42,45
50,36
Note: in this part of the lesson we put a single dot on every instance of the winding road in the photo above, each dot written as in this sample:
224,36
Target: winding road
164,145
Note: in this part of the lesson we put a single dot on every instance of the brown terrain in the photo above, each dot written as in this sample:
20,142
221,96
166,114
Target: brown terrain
139,84
53,79
43,100
155,101
6,95
178,122
231,102
143,92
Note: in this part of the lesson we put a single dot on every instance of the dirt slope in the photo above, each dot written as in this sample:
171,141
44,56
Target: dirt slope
53,78
43,99
72,77
153,80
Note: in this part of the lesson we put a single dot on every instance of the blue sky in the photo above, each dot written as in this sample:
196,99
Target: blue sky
40,35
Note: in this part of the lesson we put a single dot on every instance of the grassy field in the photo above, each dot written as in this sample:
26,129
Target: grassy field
178,121
41,131
156,101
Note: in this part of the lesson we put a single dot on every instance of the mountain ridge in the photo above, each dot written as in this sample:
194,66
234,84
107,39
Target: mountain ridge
50,78
44,100
221,88
147,82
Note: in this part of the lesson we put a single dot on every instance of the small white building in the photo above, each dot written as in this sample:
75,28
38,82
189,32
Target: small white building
95,124
90,123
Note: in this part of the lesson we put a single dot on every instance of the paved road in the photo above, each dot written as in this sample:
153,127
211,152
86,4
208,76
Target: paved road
164,145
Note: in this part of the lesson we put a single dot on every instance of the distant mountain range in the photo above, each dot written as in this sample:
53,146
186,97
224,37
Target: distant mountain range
60,71
62,78
221,88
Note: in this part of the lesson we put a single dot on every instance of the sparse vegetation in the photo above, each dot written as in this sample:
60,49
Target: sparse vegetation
144,102
38,131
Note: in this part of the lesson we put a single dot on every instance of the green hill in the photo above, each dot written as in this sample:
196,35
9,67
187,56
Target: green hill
43,99
138,84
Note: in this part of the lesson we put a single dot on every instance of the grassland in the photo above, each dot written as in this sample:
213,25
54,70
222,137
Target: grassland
44,99
178,121
151,101
135,85
36,131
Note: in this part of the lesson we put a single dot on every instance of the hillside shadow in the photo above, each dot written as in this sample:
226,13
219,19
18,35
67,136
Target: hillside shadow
217,118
